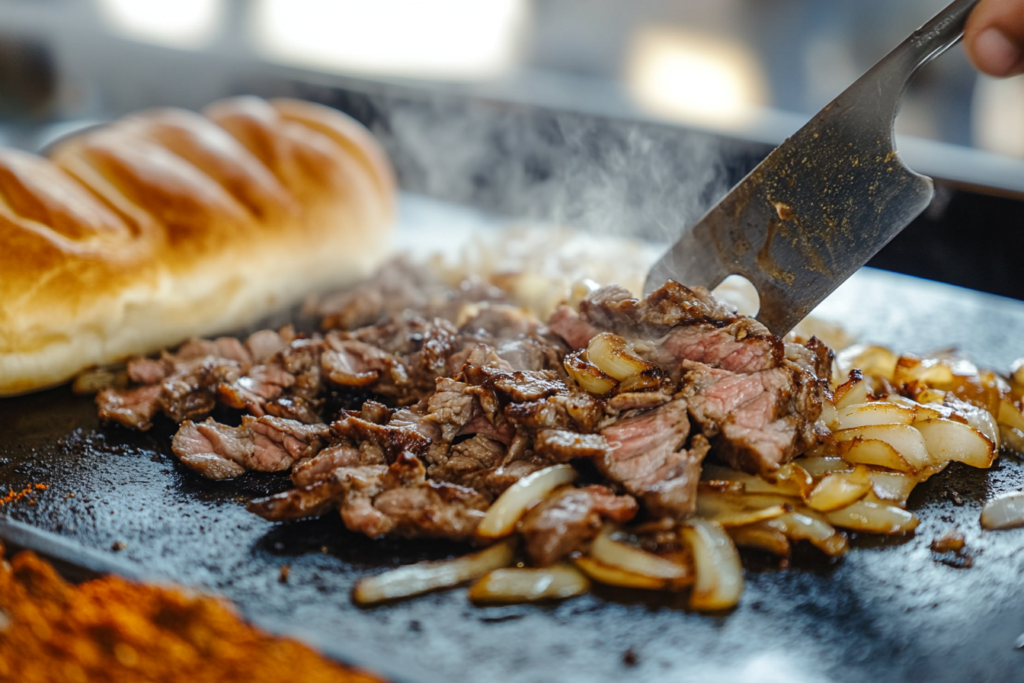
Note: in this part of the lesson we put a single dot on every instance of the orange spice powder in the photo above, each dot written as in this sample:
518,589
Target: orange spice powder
110,629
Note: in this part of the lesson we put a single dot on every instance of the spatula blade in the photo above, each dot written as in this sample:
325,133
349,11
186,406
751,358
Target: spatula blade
825,201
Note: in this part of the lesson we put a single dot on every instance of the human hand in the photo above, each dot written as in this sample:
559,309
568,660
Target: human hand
994,37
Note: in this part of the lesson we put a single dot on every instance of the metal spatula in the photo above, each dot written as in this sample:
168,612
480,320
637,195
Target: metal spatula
825,201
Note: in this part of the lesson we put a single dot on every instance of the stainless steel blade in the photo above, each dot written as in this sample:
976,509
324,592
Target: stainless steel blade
825,201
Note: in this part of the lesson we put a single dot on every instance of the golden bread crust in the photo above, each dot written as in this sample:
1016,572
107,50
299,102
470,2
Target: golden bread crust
168,224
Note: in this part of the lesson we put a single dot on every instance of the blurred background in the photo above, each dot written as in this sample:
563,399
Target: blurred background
756,68
613,115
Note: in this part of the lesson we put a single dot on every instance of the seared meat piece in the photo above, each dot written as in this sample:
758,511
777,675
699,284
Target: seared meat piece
482,426
147,370
251,391
315,499
760,420
378,500
568,325
262,345
391,440
420,508
637,400
646,455
134,408
452,407
741,346
530,353
201,372
267,444
561,445
322,465
569,519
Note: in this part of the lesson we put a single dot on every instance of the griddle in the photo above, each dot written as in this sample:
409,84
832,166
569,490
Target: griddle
890,610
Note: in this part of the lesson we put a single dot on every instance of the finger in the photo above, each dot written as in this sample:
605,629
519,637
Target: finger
994,37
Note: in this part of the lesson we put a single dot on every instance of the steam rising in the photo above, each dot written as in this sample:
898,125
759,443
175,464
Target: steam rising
609,176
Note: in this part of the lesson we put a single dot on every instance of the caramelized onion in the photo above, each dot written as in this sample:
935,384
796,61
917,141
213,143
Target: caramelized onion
612,355
427,576
1005,511
874,413
874,452
587,375
616,576
528,585
877,518
949,440
840,489
719,581
512,504
627,558
906,440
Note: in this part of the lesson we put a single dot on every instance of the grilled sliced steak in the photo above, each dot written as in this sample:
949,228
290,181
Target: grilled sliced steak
133,408
568,520
322,465
759,420
377,500
561,445
266,444
646,455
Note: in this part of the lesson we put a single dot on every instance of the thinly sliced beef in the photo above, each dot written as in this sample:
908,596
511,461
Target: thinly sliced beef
646,455
562,445
568,520
313,500
757,421
568,325
266,444
741,346
379,500
322,465
133,408
390,439
452,407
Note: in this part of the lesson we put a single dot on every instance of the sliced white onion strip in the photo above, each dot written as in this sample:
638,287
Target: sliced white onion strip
875,413
615,576
907,440
874,452
892,487
509,508
876,361
948,440
1005,511
839,489
1010,415
528,585
854,391
820,465
761,537
744,517
427,576
810,527
621,556
789,480
719,581
874,517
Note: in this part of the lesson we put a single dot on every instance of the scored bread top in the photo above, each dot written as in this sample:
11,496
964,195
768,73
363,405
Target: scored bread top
168,224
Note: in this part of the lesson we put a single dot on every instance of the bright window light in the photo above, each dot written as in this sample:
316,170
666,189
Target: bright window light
175,23
694,77
445,39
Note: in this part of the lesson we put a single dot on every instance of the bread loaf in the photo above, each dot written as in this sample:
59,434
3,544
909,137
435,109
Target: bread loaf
169,224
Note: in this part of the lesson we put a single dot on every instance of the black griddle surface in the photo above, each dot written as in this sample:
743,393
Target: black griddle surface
890,610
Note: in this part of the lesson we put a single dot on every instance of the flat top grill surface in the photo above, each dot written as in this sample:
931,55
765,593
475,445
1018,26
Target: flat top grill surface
890,610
